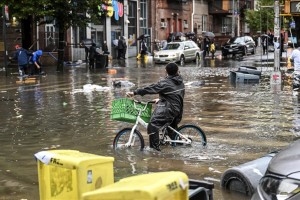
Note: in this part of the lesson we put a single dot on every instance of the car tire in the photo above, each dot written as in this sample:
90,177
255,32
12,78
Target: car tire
182,60
245,51
254,51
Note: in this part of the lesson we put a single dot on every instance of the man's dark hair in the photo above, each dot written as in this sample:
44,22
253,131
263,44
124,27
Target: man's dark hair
172,68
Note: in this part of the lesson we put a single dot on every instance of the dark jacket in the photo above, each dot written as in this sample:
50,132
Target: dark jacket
143,47
92,52
104,47
121,44
22,55
171,92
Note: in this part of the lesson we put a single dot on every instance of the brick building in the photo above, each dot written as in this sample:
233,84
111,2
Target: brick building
157,18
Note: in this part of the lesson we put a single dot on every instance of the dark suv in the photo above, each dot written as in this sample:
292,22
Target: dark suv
239,45
282,178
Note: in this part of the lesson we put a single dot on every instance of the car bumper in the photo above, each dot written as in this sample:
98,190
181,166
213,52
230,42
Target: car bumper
230,51
164,60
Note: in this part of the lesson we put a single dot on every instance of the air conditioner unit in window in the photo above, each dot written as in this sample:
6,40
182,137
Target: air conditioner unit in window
185,25
163,24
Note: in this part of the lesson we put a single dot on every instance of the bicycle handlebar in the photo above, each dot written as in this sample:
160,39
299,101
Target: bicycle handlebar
141,102
147,102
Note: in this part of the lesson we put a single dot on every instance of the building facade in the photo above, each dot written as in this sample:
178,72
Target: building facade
157,18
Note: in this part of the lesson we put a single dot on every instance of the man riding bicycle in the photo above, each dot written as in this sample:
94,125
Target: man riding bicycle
169,107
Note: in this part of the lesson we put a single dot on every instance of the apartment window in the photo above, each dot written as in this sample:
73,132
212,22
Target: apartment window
132,7
50,34
143,16
226,25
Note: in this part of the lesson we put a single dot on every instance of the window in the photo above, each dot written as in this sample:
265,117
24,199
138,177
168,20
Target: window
49,34
132,7
143,16
226,25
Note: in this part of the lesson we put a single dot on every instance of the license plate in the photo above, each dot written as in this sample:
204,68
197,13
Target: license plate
230,50
162,59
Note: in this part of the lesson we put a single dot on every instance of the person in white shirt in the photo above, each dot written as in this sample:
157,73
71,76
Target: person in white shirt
295,58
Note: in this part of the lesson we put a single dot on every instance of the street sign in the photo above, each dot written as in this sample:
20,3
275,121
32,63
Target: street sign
295,6
276,77
275,81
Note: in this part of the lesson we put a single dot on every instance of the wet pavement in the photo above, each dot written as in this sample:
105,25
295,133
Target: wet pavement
242,122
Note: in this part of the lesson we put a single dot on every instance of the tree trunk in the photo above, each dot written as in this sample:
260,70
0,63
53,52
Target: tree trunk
61,49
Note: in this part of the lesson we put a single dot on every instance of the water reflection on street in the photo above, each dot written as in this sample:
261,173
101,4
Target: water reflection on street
241,122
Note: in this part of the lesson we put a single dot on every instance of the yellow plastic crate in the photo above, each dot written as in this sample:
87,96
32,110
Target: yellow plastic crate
156,186
67,174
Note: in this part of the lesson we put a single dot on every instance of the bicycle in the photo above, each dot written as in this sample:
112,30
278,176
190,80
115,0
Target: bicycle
187,134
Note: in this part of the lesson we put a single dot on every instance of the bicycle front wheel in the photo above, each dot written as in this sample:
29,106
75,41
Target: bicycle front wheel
194,133
122,138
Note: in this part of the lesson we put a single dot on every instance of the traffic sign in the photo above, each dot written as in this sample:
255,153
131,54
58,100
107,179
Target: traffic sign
276,77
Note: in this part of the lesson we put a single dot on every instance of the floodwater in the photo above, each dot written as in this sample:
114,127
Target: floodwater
242,122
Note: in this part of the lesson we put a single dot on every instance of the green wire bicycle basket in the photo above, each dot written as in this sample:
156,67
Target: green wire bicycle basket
123,110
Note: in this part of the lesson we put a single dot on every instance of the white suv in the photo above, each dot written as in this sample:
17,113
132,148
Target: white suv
178,52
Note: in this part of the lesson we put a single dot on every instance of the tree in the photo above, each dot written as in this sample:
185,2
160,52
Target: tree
262,18
66,13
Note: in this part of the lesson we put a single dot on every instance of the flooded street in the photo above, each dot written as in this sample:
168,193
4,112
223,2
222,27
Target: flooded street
242,122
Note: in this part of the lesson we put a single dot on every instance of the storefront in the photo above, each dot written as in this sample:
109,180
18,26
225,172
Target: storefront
120,20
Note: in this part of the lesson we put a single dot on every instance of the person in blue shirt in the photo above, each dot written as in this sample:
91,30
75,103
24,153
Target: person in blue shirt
35,61
22,56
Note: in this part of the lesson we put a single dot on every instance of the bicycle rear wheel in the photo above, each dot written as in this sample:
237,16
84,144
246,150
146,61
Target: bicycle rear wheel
122,138
194,133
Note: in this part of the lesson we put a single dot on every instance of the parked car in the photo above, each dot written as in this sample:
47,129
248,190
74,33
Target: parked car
239,45
178,52
282,178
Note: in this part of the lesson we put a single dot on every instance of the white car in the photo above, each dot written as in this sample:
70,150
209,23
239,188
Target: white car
178,52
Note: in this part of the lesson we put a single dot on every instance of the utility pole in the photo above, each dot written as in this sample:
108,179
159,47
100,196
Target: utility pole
238,17
233,20
276,74
4,39
277,35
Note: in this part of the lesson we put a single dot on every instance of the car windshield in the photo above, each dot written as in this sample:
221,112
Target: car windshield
173,46
237,40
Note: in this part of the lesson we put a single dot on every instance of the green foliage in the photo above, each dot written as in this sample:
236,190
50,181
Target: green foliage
262,18
66,12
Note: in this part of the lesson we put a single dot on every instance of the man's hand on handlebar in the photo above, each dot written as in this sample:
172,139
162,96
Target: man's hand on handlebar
129,94
156,100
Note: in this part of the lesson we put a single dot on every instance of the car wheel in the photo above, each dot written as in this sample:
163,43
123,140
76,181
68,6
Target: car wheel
245,51
182,60
254,51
